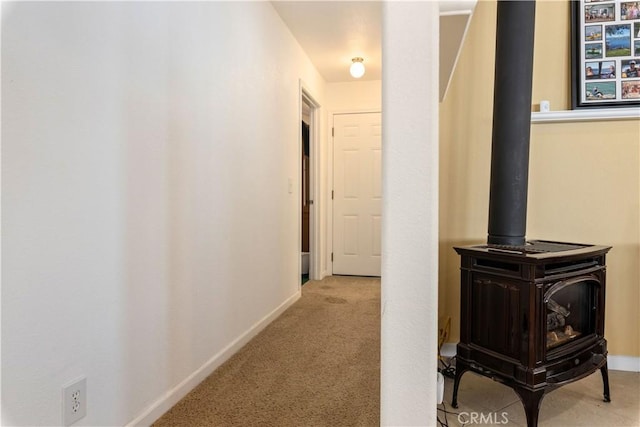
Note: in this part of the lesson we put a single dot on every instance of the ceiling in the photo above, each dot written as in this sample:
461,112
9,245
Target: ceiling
333,32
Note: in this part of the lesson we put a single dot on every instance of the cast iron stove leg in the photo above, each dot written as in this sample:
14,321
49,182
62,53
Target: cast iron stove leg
605,379
461,368
531,401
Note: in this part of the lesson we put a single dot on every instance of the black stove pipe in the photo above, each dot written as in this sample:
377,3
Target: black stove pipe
511,123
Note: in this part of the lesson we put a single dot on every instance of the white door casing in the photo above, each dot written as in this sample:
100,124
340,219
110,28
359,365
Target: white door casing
357,200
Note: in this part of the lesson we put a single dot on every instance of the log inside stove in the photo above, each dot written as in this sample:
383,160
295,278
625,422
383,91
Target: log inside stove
558,331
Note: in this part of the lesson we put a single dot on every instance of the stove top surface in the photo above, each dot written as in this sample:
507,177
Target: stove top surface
538,247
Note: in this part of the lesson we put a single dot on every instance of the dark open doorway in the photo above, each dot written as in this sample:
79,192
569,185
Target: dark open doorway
309,122
305,188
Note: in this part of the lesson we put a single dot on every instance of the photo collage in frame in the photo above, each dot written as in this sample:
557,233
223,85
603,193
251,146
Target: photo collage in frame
607,54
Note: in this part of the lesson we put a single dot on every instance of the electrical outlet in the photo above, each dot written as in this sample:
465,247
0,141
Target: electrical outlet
74,401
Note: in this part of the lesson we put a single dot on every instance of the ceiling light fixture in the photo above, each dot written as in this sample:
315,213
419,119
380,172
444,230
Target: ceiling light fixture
357,68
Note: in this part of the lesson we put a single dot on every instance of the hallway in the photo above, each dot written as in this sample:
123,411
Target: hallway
318,364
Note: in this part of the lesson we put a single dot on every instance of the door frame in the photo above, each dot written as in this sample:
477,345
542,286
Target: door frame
331,170
305,96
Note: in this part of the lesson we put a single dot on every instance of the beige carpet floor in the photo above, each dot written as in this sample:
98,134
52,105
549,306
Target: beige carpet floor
318,364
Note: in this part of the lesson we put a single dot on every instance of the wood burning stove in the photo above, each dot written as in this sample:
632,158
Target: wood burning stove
532,313
532,317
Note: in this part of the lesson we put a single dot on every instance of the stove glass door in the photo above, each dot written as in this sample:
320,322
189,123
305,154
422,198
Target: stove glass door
570,310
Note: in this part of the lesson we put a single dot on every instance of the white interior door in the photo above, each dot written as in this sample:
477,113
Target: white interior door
357,199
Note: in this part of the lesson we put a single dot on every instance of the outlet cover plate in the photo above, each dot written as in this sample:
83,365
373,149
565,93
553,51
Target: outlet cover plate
74,401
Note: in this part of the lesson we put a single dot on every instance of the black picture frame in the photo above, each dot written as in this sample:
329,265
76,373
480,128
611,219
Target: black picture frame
604,36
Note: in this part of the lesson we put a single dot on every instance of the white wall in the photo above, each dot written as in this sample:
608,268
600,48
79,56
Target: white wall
146,220
354,96
409,214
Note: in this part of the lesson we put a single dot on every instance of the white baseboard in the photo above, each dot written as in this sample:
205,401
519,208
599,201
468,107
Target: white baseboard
173,396
448,349
623,363
615,363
